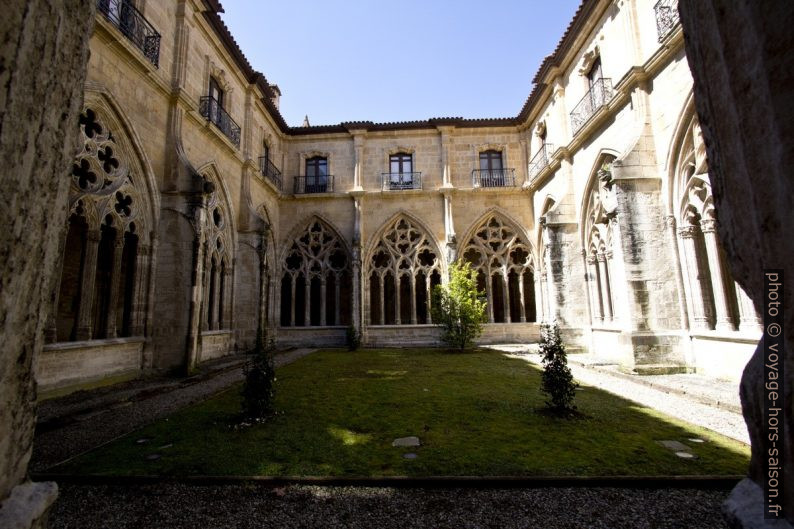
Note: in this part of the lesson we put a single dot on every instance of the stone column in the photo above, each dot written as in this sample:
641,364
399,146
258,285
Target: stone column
506,295
140,290
358,161
264,279
337,311
522,309
449,229
85,318
540,299
594,288
489,295
718,285
357,286
397,281
216,305
606,294
670,224
381,292
748,317
429,288
307,302
115,281
687,234
51,330
323,306
413,299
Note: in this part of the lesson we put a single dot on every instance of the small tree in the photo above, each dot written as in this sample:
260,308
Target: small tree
260,376
557,379
458,308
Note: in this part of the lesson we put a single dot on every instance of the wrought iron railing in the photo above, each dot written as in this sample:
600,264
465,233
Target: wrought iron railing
666,17
541,160
130,21
600,94
213,111
493,177
400,181
270,171
313,184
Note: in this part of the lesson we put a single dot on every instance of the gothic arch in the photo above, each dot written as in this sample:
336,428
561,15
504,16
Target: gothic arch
599,214
503,256
402,265
713,300
105,260
315,271
220,237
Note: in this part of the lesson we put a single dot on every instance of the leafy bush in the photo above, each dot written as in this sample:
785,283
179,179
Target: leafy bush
353,337
260,376
458,307
557,380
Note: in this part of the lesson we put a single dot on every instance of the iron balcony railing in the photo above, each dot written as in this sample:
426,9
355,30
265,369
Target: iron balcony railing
213,111
400,181
313,184
123,15
270,171
666,17
600,94
541,160
493,178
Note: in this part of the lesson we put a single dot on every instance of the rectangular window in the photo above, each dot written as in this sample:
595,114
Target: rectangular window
215,92
401,170
317,174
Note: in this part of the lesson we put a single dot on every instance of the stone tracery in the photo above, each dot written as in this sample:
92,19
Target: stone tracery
505,270
218,267
600,213
404,267
315,284
106,248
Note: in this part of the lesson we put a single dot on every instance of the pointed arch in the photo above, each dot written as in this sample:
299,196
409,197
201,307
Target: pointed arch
402,264
315,276
500,251
113,202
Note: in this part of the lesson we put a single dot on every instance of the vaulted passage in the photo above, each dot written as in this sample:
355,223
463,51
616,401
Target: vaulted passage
315,282
404,268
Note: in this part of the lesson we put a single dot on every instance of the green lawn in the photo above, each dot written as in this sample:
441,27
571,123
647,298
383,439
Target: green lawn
475,413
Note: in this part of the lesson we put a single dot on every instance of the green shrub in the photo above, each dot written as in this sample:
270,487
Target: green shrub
353,337
260,376
458,308
557,380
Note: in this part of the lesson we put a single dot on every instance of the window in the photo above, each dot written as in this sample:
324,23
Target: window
216,92
317,174
491,170
265,151
595,73
400,171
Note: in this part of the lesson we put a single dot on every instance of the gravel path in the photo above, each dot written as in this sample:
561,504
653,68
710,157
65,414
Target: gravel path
241,506
684,407
101,426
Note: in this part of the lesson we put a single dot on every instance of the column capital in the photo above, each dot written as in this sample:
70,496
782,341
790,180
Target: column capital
708,225
670,221
688,232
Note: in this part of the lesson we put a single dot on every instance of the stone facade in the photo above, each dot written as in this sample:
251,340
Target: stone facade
198,218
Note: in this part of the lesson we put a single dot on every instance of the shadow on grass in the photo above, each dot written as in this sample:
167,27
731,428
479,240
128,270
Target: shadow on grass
476,414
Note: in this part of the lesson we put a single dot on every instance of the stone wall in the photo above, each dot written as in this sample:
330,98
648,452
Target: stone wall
43,52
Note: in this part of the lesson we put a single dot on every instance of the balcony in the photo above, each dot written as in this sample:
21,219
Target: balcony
270,171
313,184
541,160
493,178
401,181
123,15
214,112
666,17
599,95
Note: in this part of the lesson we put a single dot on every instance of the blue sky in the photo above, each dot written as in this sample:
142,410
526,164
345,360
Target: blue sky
379,60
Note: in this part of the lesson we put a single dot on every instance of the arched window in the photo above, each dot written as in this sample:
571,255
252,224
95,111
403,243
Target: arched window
217,272
99,294
599,214
404,268
316,280
714,300
503,261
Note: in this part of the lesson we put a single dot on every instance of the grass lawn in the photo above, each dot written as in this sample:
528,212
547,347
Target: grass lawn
475,414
